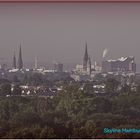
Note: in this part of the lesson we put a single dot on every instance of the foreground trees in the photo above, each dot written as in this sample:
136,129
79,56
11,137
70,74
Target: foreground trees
70,114
5,89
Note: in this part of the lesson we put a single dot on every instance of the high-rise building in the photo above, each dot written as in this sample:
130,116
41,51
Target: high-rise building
85,59
14,61
20,62
123,64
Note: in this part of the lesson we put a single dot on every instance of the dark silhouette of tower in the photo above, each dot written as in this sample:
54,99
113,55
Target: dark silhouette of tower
20,62
14,61
89,65
85,60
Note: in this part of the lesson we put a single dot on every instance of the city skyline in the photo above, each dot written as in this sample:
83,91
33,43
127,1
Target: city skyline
122,64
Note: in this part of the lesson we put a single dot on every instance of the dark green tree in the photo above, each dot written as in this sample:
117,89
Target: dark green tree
126,89
17,90
15,79
111,85
5,89
47,132
36,79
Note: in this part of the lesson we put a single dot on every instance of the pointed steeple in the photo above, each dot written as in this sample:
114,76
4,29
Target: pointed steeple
85,59
14,61
20,62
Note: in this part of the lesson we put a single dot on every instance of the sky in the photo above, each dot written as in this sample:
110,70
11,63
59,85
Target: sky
59,31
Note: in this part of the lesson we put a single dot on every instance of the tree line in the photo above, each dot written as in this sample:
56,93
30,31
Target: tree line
73,113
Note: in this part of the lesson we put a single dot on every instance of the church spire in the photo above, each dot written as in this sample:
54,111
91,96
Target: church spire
85,59
14,61
89,65
20,62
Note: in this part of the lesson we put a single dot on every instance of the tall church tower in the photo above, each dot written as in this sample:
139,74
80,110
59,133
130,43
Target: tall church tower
89,66
20,62
14,61
85,59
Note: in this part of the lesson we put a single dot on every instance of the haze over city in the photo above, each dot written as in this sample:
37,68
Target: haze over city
69,70
59,31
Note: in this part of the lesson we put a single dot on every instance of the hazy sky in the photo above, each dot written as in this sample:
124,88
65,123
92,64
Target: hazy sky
58,31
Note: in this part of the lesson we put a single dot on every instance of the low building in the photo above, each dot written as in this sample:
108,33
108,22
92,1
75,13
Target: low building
58,67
